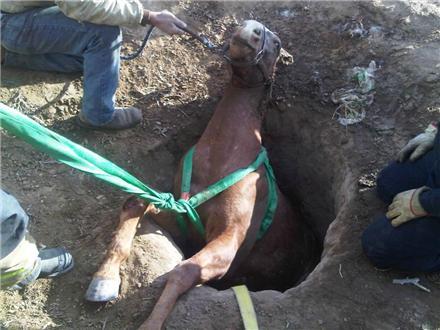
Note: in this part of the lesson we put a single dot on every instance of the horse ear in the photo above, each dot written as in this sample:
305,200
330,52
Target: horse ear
285,57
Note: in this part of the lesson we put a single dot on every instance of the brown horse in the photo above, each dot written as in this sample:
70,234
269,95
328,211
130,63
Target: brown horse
230,249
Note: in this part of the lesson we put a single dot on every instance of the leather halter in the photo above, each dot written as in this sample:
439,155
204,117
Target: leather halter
268,80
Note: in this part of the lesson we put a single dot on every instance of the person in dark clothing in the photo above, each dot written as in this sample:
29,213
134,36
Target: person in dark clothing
408,237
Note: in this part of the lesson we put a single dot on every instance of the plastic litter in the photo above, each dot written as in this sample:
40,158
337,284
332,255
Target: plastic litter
353,101
355,29
287,13
375,34
365,77
413,281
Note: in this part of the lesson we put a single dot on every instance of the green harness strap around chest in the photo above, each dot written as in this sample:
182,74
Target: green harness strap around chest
223,184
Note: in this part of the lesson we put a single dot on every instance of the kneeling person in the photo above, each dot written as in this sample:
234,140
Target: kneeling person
79,36
408,237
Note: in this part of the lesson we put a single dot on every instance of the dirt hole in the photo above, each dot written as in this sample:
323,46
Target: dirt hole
313,176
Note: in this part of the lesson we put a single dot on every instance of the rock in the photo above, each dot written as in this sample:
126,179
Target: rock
153,254
285,57
432,77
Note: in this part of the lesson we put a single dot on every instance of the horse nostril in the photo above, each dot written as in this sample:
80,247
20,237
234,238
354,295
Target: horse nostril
257,31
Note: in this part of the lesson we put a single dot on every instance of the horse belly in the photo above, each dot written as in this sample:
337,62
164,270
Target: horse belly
283,256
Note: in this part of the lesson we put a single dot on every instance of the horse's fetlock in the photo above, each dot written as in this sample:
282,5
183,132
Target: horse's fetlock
121,251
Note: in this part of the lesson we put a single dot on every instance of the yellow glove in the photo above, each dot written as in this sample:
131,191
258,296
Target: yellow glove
406,206
420,145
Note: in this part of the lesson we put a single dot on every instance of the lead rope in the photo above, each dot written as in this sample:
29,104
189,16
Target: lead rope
198,36
139,51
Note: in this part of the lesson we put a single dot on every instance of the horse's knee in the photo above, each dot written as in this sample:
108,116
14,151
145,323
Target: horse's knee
185,275
133,207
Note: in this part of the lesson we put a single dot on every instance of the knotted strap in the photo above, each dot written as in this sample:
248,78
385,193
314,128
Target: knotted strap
223,184
76,156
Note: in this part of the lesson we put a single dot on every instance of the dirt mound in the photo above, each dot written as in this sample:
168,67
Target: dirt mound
325,167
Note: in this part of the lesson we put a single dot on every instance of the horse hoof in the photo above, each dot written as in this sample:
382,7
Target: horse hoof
103,289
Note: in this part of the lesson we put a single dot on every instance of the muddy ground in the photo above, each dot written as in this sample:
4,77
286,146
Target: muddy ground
326,168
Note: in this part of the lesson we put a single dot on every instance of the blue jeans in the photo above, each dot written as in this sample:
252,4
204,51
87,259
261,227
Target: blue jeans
415,245
45,39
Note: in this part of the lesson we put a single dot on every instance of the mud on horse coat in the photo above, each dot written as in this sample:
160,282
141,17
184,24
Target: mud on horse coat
230,250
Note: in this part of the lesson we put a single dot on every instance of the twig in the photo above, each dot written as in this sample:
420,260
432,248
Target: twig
340,270
104,323
183,112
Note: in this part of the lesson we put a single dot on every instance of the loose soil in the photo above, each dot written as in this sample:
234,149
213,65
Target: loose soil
327,169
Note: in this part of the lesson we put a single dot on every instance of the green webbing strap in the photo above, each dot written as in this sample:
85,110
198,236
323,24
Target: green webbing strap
187,171
228,181
272,200
78,157
185,188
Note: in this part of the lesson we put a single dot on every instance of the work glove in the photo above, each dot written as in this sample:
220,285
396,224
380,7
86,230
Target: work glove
418,146
406,206
164,21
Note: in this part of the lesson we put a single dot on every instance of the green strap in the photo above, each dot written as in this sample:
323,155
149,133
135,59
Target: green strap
187,171
76,156
228,181
185,188
272,200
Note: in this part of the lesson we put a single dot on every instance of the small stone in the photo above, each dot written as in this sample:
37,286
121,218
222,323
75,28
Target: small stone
409,106
51,111
281,106
432,77
406,20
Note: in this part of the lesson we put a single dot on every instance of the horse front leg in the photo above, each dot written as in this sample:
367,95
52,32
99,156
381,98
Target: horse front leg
210,263
106,281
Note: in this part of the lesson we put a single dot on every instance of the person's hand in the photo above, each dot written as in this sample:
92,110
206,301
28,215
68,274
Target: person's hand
406,206
418,146
164,21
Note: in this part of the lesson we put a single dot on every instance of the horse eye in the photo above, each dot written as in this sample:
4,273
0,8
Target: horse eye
277,44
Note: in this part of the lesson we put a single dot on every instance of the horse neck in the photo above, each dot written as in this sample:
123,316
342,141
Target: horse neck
234,129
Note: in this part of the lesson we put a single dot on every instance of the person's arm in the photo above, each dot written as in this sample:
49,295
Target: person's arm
164,21
430,201
128,13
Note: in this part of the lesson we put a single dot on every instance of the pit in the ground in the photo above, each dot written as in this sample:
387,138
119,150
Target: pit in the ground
309,176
